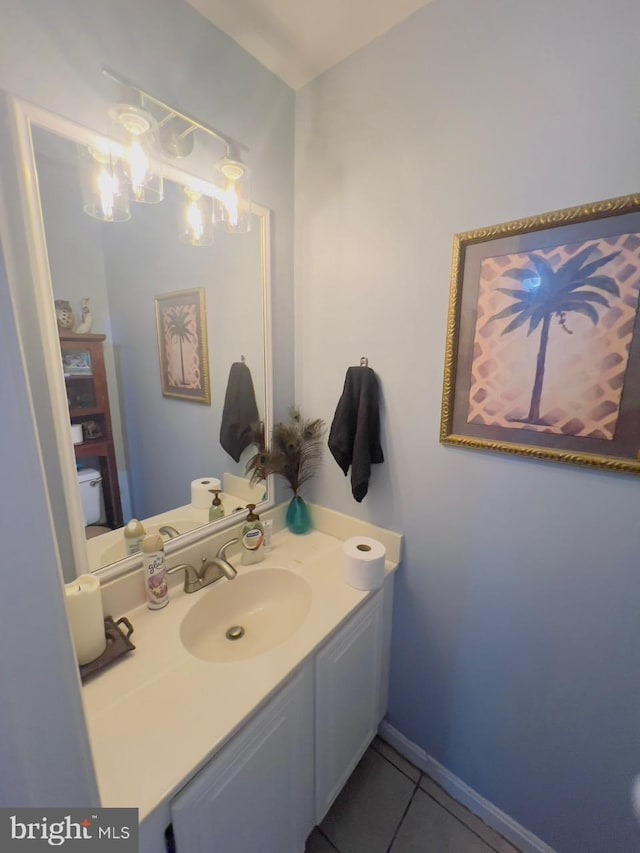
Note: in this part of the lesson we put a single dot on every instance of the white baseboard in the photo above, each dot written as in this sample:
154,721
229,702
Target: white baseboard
460,791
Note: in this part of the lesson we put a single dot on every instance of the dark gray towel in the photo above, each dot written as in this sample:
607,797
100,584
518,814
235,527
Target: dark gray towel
240,412
354,438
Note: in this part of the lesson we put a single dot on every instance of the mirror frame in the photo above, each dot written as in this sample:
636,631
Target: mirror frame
53,412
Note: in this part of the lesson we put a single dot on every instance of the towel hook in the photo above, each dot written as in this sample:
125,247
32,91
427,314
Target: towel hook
242,359
364,361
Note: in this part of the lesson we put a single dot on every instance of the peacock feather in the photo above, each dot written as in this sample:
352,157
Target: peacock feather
295,451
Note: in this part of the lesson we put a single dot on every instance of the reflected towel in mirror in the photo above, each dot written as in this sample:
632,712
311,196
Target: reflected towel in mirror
240,413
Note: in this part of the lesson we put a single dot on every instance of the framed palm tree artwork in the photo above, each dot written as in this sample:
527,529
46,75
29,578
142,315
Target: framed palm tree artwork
182,345
543,341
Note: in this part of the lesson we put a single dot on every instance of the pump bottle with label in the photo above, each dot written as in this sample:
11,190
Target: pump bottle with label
216,510
252,538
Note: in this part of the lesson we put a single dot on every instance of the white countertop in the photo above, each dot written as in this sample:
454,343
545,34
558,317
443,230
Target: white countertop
158,714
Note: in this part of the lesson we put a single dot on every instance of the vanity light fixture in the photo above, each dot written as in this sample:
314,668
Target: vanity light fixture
104,185
153,131
138,131
236,204
196,223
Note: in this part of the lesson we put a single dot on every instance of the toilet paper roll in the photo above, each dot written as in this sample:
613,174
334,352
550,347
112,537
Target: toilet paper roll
83,602
363,562
76,433
201,496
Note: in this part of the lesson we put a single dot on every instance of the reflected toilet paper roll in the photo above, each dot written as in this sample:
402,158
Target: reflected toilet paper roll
76,433
201,496
363,562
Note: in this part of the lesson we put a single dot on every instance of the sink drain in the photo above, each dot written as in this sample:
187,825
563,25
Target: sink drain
236,632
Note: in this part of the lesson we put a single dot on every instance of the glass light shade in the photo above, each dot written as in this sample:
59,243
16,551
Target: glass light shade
217,211
196,218
104,185
236,207
138,132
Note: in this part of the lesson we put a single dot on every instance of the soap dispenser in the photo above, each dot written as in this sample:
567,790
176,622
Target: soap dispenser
252,538
216,510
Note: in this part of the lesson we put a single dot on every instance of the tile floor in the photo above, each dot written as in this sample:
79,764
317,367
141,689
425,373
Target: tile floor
389,806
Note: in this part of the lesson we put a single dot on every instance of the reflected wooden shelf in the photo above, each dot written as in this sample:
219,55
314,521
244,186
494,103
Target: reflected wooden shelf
92,447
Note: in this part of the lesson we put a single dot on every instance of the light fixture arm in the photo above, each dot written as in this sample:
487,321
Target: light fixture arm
195,124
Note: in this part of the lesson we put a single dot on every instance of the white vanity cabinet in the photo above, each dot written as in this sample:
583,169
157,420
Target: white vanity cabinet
256,794
274,780
349,684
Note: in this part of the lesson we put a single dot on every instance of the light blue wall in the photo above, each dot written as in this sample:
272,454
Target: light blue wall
517,627
51,54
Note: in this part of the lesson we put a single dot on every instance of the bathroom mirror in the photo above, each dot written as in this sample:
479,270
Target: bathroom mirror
129,271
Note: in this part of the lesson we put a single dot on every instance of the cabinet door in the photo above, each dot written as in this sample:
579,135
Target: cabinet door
257,793
83,364
348,706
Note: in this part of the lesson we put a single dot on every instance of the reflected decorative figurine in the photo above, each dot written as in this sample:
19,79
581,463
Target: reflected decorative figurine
67,319
295,453
84,326
64,315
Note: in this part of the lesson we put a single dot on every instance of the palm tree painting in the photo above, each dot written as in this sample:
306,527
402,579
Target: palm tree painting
552,337
179,322
182,345
546,294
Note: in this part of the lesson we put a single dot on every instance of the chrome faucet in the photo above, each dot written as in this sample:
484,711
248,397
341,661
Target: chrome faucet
210,570
169,531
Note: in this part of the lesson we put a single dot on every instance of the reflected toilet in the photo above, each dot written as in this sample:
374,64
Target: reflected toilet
90,486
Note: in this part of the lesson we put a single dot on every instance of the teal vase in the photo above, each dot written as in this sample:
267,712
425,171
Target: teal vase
298,516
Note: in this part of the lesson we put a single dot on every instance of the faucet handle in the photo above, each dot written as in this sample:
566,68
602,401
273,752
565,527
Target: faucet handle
219,567
220,555
191,579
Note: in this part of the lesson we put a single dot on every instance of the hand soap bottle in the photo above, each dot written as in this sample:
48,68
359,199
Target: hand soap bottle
216,510
134,533
252,537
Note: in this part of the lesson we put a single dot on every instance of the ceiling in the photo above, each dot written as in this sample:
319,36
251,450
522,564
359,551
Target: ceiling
299,39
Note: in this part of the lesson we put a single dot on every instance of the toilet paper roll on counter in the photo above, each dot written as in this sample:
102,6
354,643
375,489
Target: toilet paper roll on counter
363,562
201,496
83,601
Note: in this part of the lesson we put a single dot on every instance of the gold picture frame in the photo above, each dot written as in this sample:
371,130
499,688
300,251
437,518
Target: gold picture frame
182,345
542,354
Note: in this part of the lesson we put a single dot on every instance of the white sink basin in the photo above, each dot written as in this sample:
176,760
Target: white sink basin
266,606
119,551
